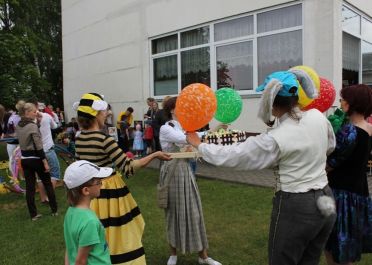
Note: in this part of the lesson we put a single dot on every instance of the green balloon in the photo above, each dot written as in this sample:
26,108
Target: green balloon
229,105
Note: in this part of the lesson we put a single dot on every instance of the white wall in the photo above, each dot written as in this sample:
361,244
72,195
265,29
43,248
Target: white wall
106,44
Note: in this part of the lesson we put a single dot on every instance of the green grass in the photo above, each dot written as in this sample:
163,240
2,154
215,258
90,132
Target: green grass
236,216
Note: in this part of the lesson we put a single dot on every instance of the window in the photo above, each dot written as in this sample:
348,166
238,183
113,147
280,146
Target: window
350,59
195,67
235,66
350,21
237,52
278,52
356,47
165,75
234,28
367,30
366,63
164,44
195,37
279,19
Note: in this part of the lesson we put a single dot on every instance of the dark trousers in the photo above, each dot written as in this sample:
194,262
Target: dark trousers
298,231
30,167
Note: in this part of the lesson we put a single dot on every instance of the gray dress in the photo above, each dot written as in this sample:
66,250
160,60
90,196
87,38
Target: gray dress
184,215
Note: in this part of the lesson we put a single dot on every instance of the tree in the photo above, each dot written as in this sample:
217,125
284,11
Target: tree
30,51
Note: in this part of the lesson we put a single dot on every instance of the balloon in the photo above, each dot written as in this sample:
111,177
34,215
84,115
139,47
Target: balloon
195,106
229,105
326,97
303,100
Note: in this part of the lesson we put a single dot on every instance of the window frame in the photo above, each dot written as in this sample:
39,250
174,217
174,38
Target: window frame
359,36
213,48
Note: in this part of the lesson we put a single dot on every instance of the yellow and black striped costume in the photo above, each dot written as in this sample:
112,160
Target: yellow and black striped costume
115,206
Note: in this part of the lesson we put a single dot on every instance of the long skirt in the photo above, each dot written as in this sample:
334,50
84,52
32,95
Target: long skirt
352,233
123,222
184,215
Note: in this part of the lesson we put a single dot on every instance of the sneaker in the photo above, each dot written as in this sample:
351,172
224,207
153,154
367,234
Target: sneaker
172,260
55,214
36,217
208,261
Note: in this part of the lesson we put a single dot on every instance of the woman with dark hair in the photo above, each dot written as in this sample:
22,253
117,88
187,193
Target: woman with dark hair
115,207
184,214
352,233
303,208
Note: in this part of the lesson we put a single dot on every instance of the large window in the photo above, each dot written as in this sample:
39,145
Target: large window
237,52
356,47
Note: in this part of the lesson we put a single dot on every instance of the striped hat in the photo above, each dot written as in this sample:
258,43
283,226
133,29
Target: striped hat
89,105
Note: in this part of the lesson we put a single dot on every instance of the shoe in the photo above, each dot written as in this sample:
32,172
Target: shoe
209,261
172,260
36,217
55,214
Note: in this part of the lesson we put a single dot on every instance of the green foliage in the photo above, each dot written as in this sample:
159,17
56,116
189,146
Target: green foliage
30,51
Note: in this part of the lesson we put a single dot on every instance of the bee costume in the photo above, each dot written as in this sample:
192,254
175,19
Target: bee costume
115,207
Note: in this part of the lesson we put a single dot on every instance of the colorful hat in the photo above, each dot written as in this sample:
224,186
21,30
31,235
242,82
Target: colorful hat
288,82
90,104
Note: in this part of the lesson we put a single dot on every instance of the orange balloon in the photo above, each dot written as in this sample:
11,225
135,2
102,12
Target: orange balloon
195,106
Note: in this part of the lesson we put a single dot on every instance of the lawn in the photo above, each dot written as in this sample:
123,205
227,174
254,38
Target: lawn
236,216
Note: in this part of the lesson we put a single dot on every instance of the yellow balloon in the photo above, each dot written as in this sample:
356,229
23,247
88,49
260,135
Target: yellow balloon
303,100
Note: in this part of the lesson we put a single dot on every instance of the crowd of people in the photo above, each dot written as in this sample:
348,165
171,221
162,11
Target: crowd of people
321,202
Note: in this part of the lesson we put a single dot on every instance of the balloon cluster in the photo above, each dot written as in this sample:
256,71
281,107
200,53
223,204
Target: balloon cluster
326,90
197,104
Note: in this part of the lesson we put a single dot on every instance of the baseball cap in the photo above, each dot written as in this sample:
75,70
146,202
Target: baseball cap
82,171
287,79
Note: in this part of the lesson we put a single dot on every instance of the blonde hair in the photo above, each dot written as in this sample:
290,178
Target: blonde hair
20,107
25,107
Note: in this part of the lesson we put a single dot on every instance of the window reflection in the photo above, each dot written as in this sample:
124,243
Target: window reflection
235,66
195,67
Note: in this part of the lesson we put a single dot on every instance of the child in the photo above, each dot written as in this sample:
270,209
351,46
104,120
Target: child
138,140
148,136
83,232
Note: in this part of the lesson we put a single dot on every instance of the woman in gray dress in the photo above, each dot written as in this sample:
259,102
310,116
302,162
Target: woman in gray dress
184,214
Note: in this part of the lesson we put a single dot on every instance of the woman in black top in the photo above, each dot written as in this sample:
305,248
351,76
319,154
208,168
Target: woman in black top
352,234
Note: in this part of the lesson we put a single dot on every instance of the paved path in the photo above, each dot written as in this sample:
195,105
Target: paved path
262,178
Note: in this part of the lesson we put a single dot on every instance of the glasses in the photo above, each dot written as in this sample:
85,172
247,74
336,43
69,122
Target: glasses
98,183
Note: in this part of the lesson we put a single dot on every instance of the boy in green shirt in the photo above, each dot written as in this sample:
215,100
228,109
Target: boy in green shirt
83,232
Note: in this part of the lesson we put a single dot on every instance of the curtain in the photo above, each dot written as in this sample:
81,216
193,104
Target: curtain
278,52
350,52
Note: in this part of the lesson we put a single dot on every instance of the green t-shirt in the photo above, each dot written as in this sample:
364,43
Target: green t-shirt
82,228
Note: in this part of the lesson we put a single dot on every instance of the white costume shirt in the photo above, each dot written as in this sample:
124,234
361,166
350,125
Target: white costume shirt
173,135
298,148
46,124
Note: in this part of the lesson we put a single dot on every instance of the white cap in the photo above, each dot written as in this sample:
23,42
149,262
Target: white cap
82,171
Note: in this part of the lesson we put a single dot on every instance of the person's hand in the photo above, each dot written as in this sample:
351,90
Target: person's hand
39,116
46,165
162,156
193,139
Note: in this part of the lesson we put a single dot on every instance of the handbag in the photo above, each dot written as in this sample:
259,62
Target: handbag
162,190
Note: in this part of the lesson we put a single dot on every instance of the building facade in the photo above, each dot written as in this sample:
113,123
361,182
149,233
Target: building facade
131,50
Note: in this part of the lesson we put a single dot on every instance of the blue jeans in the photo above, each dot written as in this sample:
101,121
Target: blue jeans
51,156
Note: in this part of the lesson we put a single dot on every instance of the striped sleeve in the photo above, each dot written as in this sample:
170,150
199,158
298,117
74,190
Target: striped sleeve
118,157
